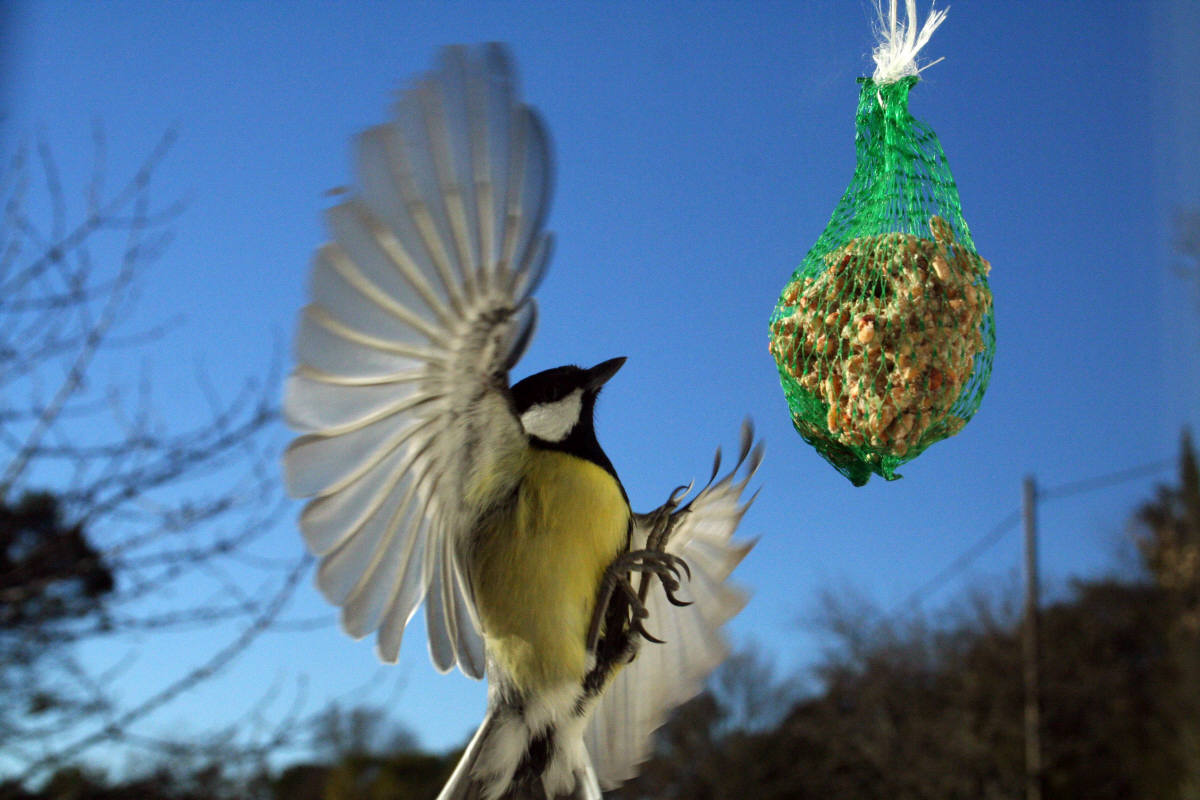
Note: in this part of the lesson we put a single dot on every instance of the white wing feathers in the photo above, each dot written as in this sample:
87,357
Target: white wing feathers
663,676
420,305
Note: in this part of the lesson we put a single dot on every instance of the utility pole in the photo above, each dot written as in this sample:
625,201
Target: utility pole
1029,642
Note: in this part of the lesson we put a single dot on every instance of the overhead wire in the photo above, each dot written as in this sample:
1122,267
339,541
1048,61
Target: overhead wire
1010,521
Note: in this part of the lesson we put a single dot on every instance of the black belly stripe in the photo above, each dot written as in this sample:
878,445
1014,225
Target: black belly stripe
537,757
612,649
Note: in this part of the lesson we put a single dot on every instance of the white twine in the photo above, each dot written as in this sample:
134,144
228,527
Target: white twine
895,55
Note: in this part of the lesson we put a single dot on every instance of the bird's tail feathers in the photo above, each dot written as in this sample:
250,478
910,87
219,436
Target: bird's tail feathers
510,759
460,786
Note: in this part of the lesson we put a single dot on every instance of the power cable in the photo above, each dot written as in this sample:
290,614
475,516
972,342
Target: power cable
994,535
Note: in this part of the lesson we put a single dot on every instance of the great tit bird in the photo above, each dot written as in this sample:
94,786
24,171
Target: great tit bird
433,480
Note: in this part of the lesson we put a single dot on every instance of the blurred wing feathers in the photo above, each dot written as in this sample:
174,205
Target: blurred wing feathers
662,677
420,305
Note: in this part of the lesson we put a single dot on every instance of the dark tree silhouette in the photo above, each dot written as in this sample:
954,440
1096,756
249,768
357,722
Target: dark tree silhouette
1168,537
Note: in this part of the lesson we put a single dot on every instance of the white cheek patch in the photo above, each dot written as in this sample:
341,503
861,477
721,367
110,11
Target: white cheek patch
551,422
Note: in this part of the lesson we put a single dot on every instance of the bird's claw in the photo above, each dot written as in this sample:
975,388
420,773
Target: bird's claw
653,560
668,567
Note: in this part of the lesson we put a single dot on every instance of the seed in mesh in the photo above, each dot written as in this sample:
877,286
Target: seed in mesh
886,336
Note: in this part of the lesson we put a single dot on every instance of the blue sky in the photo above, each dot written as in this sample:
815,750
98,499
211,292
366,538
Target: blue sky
700,150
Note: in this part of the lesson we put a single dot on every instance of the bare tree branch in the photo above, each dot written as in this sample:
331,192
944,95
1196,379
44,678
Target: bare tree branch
115,523
219,661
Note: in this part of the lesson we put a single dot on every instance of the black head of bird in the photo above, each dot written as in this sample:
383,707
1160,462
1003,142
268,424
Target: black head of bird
556,408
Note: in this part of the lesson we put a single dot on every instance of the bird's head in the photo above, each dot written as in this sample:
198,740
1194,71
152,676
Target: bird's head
557,404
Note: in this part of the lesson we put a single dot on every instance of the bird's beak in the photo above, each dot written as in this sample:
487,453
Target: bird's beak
599,374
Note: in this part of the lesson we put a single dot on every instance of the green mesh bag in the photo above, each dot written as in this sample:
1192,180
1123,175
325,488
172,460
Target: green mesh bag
884,335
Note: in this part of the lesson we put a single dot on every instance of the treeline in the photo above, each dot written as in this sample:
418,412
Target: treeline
901,710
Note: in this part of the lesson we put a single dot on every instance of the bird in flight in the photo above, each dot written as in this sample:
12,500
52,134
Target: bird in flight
433,480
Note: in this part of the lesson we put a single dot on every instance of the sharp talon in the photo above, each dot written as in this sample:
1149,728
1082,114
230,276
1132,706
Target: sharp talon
652,560
672,598
641,631
686,569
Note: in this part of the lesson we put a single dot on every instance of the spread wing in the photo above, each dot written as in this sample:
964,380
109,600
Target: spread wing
420,305
663,676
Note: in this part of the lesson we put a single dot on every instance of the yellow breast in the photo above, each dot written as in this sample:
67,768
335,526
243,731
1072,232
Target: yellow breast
537,568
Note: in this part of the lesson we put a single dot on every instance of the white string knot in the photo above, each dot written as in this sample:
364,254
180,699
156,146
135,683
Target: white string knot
895,55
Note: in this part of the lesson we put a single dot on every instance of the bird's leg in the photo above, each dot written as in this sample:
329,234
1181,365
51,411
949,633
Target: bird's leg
621,608
609,640
664,519
620,613
617,590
